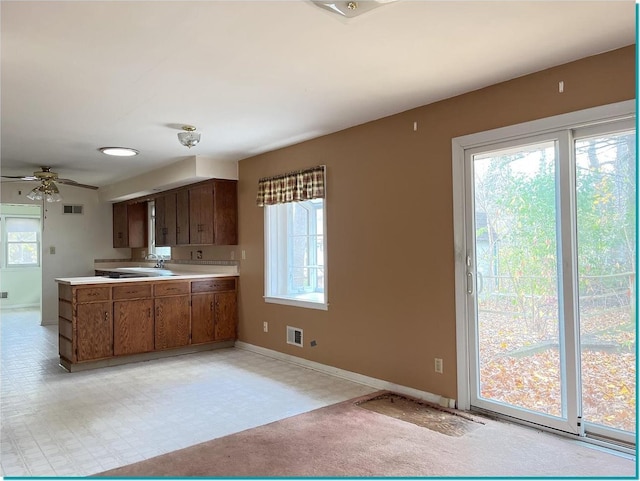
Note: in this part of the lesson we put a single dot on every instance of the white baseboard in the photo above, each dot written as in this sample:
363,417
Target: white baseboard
350,376
7,307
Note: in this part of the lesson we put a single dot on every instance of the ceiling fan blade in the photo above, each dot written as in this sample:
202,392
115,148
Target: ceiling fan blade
76,184
21,177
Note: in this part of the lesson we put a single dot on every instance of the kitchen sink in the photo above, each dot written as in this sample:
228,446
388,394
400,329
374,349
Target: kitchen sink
146,271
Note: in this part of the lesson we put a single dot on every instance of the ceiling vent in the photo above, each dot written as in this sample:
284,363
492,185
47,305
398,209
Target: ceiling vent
294,336
350,9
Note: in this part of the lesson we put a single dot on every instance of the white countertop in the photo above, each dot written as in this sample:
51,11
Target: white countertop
148,273
76,281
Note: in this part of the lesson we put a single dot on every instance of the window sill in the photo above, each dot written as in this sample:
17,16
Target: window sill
297,303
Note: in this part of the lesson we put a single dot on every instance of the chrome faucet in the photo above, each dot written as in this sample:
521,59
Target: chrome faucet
159,260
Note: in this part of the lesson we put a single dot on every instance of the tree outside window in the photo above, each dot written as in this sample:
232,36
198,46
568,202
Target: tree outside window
22,241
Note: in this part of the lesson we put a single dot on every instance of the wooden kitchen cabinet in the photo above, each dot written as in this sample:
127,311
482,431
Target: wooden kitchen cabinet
201,214
133,319
129,224
213,213
95,333
182,217
214,310
225,218
101,323
165,220
172,314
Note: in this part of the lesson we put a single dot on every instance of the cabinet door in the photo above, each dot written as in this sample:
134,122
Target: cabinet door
201,214
202,323
160,229
172,322
94,327
137,224
133,326
120,229
165,218
182,217
225,315
225,204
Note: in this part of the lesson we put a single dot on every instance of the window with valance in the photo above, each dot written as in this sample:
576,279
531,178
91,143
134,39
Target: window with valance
295,237
292,187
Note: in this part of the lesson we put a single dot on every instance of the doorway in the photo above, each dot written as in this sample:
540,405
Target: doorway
20,256
547,283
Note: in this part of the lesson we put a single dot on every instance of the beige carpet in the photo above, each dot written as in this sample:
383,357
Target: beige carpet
347,440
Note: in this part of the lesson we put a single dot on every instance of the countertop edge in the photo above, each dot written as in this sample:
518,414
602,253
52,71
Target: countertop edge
76,281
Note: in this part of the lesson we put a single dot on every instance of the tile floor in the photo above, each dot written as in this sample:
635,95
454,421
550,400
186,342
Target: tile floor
56,423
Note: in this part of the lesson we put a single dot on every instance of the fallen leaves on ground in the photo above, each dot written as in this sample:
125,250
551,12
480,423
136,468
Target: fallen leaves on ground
521,366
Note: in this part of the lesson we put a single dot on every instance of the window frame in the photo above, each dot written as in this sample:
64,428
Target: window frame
6,243
151,217
282,253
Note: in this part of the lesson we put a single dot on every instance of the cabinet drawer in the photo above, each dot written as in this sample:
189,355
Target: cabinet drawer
170,288
211,285
89,294
132,291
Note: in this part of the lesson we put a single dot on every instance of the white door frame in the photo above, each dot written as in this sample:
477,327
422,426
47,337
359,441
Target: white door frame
616,111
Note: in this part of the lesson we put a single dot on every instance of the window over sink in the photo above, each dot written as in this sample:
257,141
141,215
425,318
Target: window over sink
165,252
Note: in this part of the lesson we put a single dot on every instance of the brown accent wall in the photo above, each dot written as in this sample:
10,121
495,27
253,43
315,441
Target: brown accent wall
390,224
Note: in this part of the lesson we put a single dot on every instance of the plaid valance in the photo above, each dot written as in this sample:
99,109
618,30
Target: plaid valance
291,187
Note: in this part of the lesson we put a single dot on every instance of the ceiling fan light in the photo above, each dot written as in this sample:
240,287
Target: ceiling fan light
53,197
119,151
36,194
189,138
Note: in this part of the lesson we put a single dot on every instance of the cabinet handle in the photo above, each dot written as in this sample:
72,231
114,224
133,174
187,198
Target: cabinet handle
212,305
106,316
149,313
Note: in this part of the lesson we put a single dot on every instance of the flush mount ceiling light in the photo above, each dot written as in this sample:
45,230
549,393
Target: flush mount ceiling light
189,138
350,9
119,151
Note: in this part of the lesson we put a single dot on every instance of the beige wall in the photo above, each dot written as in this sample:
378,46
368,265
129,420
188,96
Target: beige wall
78,239
390,225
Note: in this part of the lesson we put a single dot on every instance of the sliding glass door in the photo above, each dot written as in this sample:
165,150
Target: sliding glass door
551,279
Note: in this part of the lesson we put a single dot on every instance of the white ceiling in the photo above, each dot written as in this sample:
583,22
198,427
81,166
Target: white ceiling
253,76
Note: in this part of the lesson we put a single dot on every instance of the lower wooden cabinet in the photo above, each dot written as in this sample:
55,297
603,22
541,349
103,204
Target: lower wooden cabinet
95,333
214,310
172,322
202,318
98,322
133,327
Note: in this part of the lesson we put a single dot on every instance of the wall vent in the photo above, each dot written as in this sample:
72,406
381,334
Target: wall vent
72,209
4,295
294,336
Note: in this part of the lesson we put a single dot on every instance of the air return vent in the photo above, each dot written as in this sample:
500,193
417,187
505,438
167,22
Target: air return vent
72,209
294,336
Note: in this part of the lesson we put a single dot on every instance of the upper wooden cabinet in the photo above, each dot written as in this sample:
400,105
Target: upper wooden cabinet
225,218
201,207
130,224
201,214
182,220
165,215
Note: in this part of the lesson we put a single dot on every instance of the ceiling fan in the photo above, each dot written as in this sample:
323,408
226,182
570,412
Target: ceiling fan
47,190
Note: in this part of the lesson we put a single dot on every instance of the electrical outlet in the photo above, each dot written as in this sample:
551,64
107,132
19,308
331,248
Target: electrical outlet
438,365
265,326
